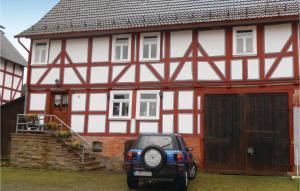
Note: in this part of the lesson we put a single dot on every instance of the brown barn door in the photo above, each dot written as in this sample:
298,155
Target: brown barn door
266,133
222,133
60,105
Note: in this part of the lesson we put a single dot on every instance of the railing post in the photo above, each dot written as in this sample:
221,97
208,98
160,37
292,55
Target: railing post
82,158
17,123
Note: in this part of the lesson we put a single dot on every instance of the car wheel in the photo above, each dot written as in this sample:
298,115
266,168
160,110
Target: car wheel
153,158
182,182
132,182
192,172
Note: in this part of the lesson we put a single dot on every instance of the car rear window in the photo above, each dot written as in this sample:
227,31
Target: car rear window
163,141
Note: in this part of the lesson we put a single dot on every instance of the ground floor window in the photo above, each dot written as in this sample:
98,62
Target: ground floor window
148,104
120,104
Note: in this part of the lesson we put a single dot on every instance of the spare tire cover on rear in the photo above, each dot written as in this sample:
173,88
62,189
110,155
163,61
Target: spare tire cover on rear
153,157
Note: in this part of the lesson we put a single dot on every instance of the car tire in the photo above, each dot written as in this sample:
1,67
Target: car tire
132,182
192,171
162,154
182,182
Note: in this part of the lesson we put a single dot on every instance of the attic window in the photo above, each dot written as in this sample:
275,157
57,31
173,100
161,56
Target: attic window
40,53
150,46
244,40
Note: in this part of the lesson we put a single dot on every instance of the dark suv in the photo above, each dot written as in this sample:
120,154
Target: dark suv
160,157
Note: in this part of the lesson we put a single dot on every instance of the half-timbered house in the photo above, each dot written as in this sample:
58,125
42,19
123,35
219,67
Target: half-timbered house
221,73
11,71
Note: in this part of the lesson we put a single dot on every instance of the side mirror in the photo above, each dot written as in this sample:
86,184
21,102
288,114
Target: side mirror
189,149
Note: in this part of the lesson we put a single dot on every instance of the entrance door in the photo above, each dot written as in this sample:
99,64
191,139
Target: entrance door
246,133
60,106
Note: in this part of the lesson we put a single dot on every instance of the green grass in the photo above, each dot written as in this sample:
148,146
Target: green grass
13,179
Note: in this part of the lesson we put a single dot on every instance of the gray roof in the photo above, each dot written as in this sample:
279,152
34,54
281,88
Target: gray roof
102,15
9,52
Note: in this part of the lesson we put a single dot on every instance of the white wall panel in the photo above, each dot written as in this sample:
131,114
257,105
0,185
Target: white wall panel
173,67
116,71
185,99
100,49
206,72
96,123
18,94
284,69
55,49
8,80
160,68
186,73
51,76
6,94
1,78
78,101
268,64
129,76
70,77
16,82
18,70
236,70
132,126
36,74
199,124
276,36
168,123
213,42
185,123
253,69
82,71
221,66
98,102
99,74
180,41
148,127
168,100
117,127
77,123
146,75
77,50
10,67
37,101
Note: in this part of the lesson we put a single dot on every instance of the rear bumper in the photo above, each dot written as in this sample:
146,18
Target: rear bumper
169,171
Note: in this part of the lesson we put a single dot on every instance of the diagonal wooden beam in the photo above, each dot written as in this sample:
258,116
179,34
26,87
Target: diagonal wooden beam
119,76
155,73
75,69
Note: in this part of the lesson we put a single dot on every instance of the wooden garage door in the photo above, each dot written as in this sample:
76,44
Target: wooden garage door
246,133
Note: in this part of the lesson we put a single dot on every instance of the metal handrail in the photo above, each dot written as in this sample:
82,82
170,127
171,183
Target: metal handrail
39,127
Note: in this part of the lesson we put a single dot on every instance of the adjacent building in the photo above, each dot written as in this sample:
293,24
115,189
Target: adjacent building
221,73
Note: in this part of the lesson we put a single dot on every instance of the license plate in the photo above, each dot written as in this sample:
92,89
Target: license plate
142,173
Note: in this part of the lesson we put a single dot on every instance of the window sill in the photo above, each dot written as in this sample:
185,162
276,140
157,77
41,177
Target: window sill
244,54
147,118
119,118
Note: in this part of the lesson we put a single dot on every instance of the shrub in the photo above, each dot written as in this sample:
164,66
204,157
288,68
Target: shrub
64,134
75,144
31,117
52,126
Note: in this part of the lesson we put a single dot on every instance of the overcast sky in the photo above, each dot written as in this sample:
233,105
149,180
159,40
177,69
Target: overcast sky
18,15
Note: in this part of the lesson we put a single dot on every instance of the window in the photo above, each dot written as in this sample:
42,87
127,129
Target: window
121,48
120,104
150,46
163,141
60,101
148,105
40,53
244,40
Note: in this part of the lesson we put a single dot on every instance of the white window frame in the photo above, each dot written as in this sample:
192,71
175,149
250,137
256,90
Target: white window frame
34,52
112,100
115,37
143,35
138,115
235,30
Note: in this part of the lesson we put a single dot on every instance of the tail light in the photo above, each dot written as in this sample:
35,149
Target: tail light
131,155
179,157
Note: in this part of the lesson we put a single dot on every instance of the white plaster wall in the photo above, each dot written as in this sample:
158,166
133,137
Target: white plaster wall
253,69
36,74
98,102
18,94
77,123
51,76
284,69
185,123
221,66
206,72
6,94
236,70
55,49
37,101
297,133
199,124
146,75
18,70
116,71
185,99
70,77
117,127
78,101
99,74
213,42
160,68
96,123
10,67
173,67
132,126
100,49
129,76
268,64
1,78
8,80
186,73
148,127
168,123
16,82
168,100
276,36
82,71
77,50
180,41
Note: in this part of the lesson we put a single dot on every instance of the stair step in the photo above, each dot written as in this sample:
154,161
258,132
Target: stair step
94,168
